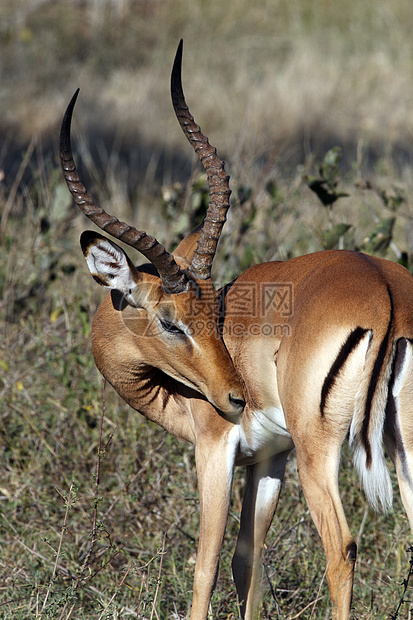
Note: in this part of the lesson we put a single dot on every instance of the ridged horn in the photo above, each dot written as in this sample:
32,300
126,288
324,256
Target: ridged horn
174,280
218,180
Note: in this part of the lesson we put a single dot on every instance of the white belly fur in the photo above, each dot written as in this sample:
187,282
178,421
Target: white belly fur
263,433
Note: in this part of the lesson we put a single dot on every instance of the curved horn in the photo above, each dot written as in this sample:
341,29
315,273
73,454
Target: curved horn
218,180
174,280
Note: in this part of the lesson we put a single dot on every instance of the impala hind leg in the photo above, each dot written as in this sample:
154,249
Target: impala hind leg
260,500
318,468
215,468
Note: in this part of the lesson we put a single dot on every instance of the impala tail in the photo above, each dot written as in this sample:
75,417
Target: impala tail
378,416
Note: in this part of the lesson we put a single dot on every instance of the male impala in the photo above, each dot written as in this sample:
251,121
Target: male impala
292,354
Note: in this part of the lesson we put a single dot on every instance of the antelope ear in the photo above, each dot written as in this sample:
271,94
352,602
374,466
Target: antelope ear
109,265
188,245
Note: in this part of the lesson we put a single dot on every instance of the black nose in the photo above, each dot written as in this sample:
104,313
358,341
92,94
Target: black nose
236,402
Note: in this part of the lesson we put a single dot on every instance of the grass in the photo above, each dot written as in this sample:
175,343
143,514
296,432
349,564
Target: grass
127,546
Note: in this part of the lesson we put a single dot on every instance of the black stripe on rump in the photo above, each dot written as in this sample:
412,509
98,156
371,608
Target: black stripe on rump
378,364
349,346
391,425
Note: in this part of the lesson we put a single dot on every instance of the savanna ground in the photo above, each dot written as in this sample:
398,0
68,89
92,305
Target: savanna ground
275,85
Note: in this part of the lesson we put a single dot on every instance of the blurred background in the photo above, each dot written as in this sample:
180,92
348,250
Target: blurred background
270,81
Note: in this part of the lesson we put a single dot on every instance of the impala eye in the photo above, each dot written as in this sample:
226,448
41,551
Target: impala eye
171,328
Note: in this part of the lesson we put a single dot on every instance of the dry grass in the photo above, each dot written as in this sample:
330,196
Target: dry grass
142,558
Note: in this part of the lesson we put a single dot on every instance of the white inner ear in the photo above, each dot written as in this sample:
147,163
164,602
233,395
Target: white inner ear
109,264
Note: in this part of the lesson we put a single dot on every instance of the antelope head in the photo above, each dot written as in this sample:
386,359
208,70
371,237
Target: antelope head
171,304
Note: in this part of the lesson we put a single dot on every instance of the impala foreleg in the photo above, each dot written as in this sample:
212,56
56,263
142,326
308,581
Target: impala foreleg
215,460
260,500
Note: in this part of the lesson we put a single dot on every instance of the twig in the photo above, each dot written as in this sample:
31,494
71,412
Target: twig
63,530
95,501
405,584
312,604
318,593
64,571
272,591
61,568
115,593
112,557
143,578
162,553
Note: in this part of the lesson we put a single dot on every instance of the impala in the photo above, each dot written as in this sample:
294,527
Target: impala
297,354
